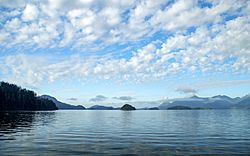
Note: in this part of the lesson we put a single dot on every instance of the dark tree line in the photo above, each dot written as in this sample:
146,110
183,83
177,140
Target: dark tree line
13,97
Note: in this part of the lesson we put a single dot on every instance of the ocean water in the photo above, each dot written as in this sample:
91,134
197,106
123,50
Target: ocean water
156,132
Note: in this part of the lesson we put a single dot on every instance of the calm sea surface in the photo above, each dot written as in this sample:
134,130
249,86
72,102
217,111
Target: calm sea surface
90,132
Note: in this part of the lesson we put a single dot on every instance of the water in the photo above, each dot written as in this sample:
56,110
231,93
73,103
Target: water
182,132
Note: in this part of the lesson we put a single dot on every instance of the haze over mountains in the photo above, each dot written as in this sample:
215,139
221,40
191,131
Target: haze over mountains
15,98
194,102
61,105
215,102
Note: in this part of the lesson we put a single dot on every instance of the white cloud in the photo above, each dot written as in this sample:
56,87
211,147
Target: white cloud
215,45
68,35
186,90
12,3
109,22
30,12
124,98
98,98
111,15
23,69
72,99
13,24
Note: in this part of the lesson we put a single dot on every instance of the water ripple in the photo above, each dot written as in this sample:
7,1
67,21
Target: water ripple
196,132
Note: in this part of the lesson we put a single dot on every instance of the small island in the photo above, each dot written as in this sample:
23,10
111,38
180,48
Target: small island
127,107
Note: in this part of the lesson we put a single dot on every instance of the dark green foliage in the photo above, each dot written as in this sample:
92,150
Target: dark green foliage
127,107
13,97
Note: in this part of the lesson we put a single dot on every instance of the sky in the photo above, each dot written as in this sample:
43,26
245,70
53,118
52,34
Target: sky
112,52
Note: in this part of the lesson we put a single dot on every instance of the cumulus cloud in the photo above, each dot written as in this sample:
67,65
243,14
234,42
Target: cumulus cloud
124,98
108,22
196,38
30,13
185,90
98,98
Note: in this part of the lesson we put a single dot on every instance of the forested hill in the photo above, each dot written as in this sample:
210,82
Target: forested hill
13,97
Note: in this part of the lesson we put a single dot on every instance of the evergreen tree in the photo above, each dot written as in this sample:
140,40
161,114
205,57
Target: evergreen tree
13,97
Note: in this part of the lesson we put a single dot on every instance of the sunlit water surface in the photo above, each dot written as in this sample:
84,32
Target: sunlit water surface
90,132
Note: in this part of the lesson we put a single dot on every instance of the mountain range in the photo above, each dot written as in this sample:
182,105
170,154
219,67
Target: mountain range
61,105
194,102
215,102
13,97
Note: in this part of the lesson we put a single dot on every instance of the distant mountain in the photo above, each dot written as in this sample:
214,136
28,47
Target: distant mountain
148,108
244,102
179,108
215,102
153,108
222,97
61,105
99,107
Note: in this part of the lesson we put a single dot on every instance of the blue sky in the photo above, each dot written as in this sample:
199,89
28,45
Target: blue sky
111,52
